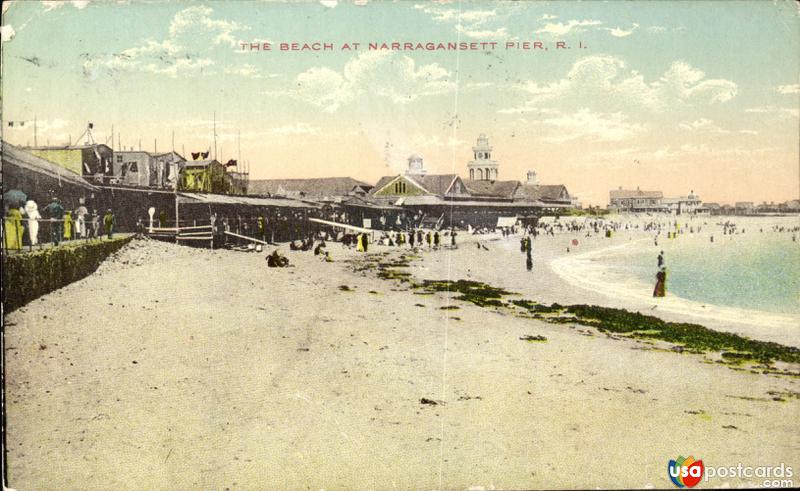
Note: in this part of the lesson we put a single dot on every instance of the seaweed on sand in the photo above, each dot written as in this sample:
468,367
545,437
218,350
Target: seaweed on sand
478,293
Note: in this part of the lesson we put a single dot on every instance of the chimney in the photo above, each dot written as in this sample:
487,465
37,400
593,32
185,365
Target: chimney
531,178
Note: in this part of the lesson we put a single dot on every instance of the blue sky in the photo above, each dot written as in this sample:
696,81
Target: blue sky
666,95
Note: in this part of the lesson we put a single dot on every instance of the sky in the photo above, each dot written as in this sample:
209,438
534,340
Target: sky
670,96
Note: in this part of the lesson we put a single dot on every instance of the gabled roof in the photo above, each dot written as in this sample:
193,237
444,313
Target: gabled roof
496,189
314,187
542,192
637,193
436,184
20,158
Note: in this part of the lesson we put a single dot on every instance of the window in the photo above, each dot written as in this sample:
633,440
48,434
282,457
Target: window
119,158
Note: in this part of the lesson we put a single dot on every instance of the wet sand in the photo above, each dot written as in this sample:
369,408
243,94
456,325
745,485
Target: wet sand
179,368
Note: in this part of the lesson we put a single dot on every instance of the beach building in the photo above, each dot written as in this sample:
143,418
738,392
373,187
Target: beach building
636,201
41,179
325,189
438,199
203,176
94,162
689,204
134,168
168,168
744,208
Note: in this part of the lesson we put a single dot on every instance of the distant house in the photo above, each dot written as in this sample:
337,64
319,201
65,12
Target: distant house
94,162
134,168
204,176
625,200
744,207
168,168
792,205
332,189
690,203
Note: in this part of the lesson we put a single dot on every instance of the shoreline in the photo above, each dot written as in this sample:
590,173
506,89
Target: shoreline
587,270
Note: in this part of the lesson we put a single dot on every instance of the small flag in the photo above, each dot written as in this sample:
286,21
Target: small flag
91,125
22,123
230,163
205,155
195,155
11,123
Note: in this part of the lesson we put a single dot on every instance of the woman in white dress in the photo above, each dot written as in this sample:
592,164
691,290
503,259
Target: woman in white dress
32,211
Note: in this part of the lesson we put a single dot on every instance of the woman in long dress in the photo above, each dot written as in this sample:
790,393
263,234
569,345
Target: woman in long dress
32,210
13,228
661,283
68,225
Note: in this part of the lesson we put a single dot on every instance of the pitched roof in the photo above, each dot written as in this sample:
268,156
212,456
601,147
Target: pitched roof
315,187
435,183
15,156
542,192
498,189
637,193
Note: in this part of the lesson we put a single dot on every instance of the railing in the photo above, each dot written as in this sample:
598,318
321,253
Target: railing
17,236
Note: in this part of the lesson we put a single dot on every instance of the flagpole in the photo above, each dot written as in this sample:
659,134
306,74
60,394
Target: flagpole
35,128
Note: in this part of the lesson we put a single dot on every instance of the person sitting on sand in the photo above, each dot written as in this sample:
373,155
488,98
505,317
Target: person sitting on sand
661,283
275,260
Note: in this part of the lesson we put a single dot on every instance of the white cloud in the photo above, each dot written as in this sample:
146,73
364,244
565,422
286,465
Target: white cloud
378,73
788,89
470,23
548,17
329,3
54,4
784,111
621,33
606,80
749,132
701,124
656,29
192,34
589,125
196,21
499,33
563,28
7,33
440,14
248,71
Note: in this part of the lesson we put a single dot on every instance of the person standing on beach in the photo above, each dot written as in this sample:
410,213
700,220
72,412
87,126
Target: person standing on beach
13,228
436,239
661,283
661,259
411,237
94,230
32,211
108,222
365,241
56,212
453,237
428,239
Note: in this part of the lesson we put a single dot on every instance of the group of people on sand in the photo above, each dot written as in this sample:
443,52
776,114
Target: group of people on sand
21,224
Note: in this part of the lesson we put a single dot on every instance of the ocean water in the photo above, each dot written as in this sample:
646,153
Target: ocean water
754,271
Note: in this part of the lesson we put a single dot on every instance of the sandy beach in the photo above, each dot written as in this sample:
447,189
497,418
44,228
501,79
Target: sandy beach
181,368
